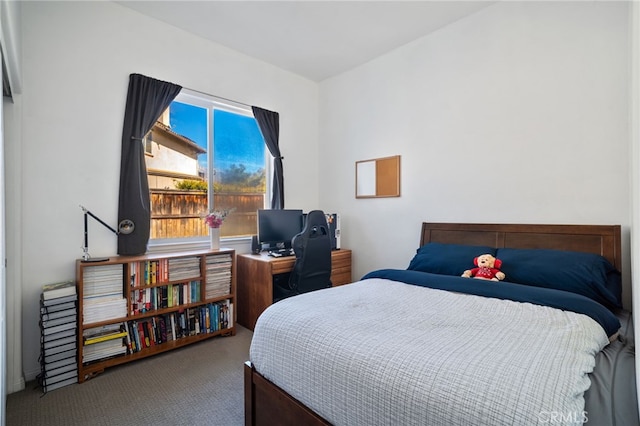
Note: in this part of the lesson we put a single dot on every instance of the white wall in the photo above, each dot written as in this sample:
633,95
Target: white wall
76,65
518,113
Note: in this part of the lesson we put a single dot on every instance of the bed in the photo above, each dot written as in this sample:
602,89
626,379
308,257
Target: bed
425,346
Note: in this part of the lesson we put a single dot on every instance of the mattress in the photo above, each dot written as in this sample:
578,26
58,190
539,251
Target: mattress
383,352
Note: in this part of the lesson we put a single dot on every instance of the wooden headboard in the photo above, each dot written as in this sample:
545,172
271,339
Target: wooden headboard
600,239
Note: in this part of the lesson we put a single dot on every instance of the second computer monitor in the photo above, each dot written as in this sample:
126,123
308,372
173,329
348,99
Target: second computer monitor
276,228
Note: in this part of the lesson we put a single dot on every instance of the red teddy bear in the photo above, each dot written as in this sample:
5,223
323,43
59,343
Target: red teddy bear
488,268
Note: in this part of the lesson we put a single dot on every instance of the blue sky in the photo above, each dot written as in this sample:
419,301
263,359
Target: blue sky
237,138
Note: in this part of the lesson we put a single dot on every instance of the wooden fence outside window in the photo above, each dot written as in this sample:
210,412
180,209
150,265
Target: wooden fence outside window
179,214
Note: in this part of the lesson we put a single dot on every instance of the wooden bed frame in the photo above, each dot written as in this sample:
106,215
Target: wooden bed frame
265,403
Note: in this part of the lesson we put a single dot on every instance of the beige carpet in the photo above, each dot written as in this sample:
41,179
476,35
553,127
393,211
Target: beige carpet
201,384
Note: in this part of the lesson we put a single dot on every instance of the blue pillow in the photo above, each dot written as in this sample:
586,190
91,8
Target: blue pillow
588,274
447,259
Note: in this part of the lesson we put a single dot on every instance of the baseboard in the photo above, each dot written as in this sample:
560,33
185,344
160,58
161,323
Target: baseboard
31,375
17,385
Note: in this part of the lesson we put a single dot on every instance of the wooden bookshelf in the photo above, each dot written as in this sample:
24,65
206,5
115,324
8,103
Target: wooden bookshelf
163,301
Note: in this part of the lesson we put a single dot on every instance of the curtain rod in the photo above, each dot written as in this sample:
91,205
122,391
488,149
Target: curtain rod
218,97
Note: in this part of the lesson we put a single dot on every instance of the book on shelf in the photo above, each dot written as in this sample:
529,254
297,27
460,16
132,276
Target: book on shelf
58,335
57,349
184,268
149,272
60,363
183,329
101,350
102,329
102,347
45,315
58,321
61,289
164,297
50,372
58,328
47,387
192,321
163,329
144,300
143,329
101,299
128,338
53,357
59,300
98,310
152,331
93,298
102,283
59,307
154,328
106,275
49,375
218,281
136,341
61,341
50,380
172,319
104,337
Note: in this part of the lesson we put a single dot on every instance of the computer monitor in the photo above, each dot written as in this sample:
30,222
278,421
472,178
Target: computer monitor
276,228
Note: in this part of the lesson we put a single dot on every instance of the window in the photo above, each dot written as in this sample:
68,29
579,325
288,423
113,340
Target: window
202,154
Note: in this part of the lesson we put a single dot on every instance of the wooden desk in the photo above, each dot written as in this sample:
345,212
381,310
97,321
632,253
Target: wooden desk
256,273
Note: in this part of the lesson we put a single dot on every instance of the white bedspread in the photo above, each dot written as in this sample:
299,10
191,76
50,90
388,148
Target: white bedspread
378,352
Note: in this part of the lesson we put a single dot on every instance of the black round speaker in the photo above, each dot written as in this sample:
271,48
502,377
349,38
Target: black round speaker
126,226
255,246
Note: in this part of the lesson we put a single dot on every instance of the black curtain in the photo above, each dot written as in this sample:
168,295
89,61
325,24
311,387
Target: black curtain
147,98
269,123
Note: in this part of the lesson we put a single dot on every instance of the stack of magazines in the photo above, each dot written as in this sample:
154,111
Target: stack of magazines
59,336
103,342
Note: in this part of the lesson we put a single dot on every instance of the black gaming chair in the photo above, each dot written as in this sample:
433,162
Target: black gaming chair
312,247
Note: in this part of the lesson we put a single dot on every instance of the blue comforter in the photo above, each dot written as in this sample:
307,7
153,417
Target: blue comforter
508,291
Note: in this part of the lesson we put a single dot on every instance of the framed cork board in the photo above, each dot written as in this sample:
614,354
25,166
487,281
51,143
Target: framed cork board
378,177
